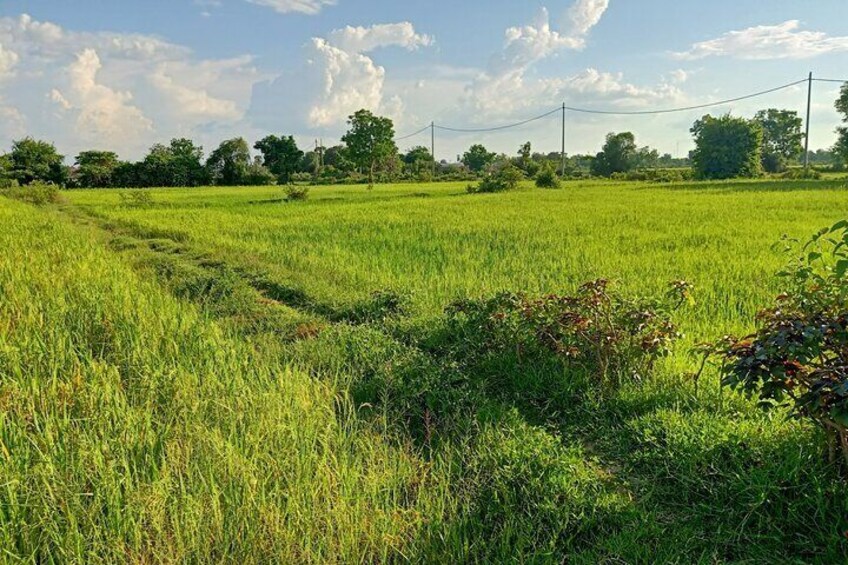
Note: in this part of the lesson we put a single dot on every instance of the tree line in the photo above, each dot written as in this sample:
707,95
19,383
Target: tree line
725,147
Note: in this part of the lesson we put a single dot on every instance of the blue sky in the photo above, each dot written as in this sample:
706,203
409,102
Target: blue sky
92,74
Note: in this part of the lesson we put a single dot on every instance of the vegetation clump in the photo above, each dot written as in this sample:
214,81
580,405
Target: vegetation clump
547,178
297,192
503,179
596,329
797,358
38,193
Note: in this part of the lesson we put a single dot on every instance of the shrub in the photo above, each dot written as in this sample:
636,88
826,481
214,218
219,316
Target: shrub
547,178
136,199
505,178
798,356
595,329
38,193
297,192
8,183
801,174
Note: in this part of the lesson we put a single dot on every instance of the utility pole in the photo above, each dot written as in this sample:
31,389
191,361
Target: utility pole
563,139
433,150
807,136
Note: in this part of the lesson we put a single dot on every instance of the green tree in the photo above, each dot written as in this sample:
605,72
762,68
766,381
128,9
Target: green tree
727,147
477,158
186,167
370,142
96,168
34,160
280,155
841,147
228,164
419,162
618,155
782,138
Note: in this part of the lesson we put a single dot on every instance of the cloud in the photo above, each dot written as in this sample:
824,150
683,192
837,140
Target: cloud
584,15
310,7
781,41
338,78
504,87
126,91
364,39
101,112
8,61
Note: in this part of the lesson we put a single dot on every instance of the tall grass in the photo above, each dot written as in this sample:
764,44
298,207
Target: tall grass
134,430
151,412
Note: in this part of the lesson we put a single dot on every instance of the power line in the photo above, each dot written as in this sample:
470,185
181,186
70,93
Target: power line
686,108
496,128
830,80
422,130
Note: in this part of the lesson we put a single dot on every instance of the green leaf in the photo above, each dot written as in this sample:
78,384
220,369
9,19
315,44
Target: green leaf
840,225
841,267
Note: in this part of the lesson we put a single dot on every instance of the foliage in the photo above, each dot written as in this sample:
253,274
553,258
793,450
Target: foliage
841,147
280,155
418,162
782,138
800,173
477,158
798,356
37,192
547,177
596,329
258,174
655,175
136,199
228,165
503,178
727,147
296,192
370,142
34,160
95,169
617,156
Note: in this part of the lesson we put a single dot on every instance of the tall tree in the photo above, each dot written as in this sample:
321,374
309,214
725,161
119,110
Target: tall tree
727,147
477,158
228,164
618,155
841,147
782,138
370,142
280,155
187,163
95,169
34,160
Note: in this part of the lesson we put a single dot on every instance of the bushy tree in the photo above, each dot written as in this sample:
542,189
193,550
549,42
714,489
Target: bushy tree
617,156
34,160
187,163
96,168
370,142
280,155
841,147
477,158
228,164
782,138
727,147
180,163
418,161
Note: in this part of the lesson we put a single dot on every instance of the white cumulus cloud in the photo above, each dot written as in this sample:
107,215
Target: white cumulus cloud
101,112
781,41
338,78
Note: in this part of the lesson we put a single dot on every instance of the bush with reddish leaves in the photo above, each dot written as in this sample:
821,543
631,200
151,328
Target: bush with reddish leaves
596,329
798,357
